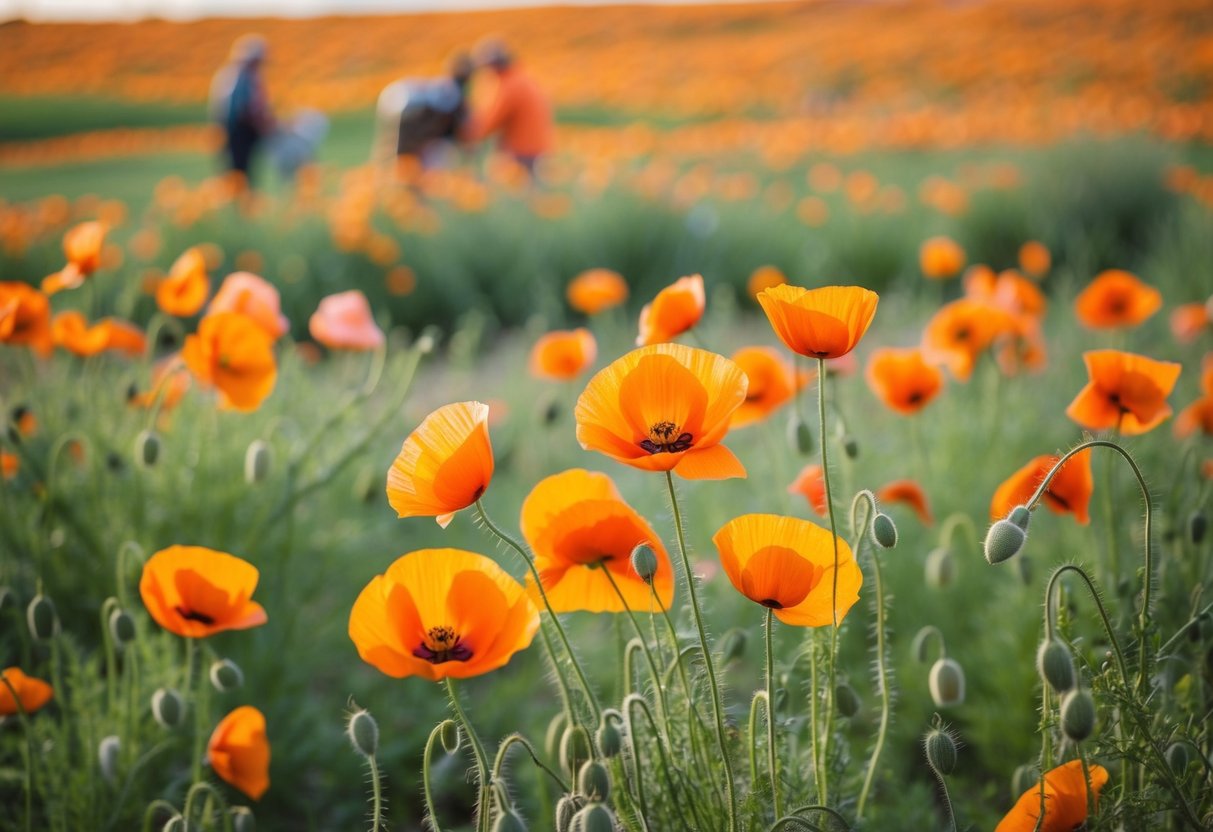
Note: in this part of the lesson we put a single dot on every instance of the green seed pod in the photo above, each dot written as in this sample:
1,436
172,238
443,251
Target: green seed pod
1077,714
256,462
847,700
940,568
552,737
1023,779
449,736
1003,541
1021,516
147,448
1179,755
1055,665
168,708
575,747
644,561
121,627
226,675
363,732
594,782
800,438
42,618
594,818
243,820
884,532
607,738
508,821
1198,526
566,808
941,750
108,751
732,645
947,683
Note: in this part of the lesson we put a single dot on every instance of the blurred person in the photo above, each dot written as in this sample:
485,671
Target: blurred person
520,114
420,118
296,141
239,103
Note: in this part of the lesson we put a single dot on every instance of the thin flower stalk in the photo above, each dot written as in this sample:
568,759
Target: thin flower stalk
772,751
483,803
884,682
824,783
662,708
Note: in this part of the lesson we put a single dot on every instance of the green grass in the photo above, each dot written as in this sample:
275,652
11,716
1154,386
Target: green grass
24,118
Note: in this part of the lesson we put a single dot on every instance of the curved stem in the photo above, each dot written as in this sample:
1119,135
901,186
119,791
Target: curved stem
882,669
426,789
759,697
831,667
518,739
791,820
772,754
376,794
662,709
150,812
825,810
629,703
959,520
199,788
484,806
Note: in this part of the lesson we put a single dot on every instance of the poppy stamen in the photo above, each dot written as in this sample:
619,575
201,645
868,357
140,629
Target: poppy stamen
667,437
442,644
194,615
771,603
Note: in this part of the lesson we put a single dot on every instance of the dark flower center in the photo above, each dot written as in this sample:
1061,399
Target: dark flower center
442,644
771,603
194,615
667,437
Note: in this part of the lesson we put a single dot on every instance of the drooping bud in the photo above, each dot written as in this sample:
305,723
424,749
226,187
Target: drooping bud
167,708
644,561
607,738
1021,516
121,627
363,732
850,446
1198,526
594,818
732,645
550,411
575,747
107,757
226,675
147,448
1003,541
42,618
242,819
883,531
847,700
1178,757
553,735
594,782
1055,665
508,821
940,568
947,683
921,646
256,462
449,736
566,808
1077,715
1023,778
941,750
800,438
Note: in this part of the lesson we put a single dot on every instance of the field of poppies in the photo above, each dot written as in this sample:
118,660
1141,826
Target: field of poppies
828,451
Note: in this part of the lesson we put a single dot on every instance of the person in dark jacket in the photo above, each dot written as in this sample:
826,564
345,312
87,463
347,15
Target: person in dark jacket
239,103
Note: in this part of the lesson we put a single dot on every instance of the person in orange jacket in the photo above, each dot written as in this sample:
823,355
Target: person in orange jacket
520,114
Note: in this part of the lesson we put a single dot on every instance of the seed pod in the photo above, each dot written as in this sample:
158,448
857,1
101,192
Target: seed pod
1198,526
1055,665
107,757
940,568
575,747
947,683
167,708
42,618
1178,757
226,675
566,808
847,700
594,818
884,532
1003,541
147,448
121,627
732,645
941,750
644,562
800,438
508,821
449,736
594,782
256,462
363,732
1077,715
607,738
242,819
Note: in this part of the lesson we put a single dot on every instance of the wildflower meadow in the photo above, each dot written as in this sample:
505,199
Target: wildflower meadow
818,437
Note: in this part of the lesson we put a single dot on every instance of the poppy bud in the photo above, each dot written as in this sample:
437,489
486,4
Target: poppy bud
575,747
550,412
566,808
147,448
941,750
256,462
114,463
1077,715
242,819
448,735
167,708
132,390
425,343
1055,665
884,532
940,568
42,618
921,646
107,758
850,447
174,824
226,675
799,435
552,737
1003,541
363,732
1023,779
607,738
847,700
594,782
508,821
1198,525
644,561
121,627
1178,757
732,645
594,818
947,683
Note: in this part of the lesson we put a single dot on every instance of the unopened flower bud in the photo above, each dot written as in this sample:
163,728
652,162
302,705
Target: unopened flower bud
243,820
1055,665
575,747
121,627
167,708
553,735
947,683
425,343
1198,525
593,818
850,447
1023,779
732,645
847,700
1021,516
550,412
940,568
147,448
1077,715
448,735
921,646
107,758
363,732
644,562
566,808
941,750
594,782
1178,757
226,675
114,463
42,618
608,739
1003,541
884,532
256,462
508,821
799,435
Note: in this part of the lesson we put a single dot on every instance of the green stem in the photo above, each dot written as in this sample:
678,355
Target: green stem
772,754
759,697
814,733
832,666
426,790
483,804
882,670
201,706
663,713
376,794
518,739
150,812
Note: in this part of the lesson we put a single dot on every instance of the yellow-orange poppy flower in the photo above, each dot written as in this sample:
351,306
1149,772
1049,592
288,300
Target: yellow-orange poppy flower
1065,801
10,464
184,291
596,290
170,382
811,485
195,592
1069,492
1125,391
819,323
1035,259
907,493
772,384
1024,350
1198,416
962,330
1116,298
344,322
239,751
903,380
676,309
563,355
232,353
439,613
664,407
25,317
762,278
71,331
578,526
83,246
1018,295
1188,321
979,282
32,693
787,565
444,465
250,295
941,258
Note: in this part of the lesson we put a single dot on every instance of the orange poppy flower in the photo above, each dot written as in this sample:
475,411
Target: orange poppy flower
578,525
439,613
170,382
979,282
1199,414
909,493
231,352
195,592
32,693
563,355
344,322
25,317
819,323
71,331
1125,391
676,309
772,384
902,379
961,331
1024,350
1035,259
596,290
10,464
444,465
787,565
1018,295
83,246
664,407
1116,298
1069,492
941,258
764,277
239,751
184,291
811,485
1065,801
248,294
1188,321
